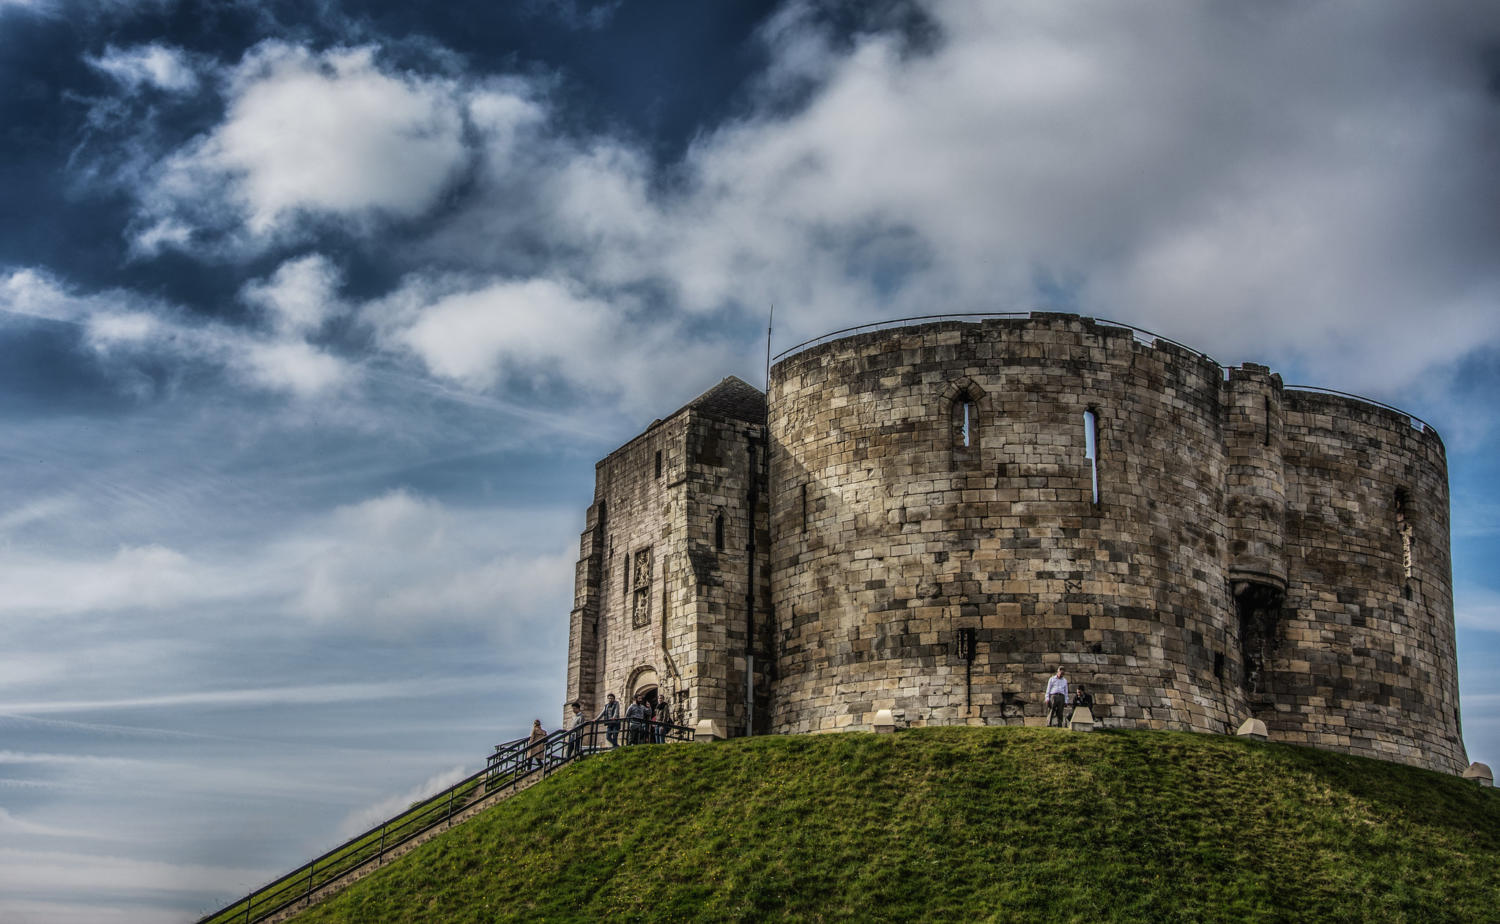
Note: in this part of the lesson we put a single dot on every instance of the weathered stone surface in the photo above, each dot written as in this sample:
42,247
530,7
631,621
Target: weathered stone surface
1480,773
1229,547
1082,720
709,730
657,600
1253,728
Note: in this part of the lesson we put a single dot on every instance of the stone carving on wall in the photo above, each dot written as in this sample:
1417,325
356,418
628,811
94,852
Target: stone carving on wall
640,595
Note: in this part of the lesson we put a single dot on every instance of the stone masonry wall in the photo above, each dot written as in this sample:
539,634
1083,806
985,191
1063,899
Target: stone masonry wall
1194,545
909,537
1366,662
936,478
642,520
682,622
726,456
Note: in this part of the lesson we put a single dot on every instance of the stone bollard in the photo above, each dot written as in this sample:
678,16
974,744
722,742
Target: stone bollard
884,721
1480,773
1253,728
708,730
1083,719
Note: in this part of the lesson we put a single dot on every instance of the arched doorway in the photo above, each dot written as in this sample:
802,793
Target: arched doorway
646,684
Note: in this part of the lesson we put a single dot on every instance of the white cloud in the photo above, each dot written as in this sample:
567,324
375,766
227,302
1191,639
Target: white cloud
11,825
135,576
393,565
399,563
309,694
294,367
478,334
155,64
300,296
1328,209
122,324
29,871
32,293
313,134
534,333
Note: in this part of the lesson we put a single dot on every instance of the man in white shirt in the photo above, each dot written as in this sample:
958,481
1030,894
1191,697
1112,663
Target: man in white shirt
1057,698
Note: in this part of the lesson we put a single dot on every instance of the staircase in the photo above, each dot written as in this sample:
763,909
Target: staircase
512,767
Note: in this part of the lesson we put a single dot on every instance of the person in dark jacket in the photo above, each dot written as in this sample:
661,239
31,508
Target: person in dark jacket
610,715
1081,698
576,724
637,715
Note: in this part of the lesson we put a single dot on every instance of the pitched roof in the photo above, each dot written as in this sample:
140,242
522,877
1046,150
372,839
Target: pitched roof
732,397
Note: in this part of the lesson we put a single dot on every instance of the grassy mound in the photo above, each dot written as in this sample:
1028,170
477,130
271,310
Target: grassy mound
961,824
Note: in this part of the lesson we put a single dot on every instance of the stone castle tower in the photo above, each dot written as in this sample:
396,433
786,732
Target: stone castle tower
930,519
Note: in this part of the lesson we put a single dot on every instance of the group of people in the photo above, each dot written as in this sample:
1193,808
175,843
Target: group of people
644,724
1057,700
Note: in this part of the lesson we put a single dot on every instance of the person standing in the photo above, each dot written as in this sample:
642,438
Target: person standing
536,749
1082,698
1057,698
575,739
610,715
636,717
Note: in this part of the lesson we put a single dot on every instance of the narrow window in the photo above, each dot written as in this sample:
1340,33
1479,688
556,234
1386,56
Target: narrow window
1091,450
1404,527
804,507
965,420
1267,400
658,463
1219,664
626,581
719,532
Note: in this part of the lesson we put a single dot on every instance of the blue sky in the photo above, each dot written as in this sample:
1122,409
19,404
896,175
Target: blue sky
314,318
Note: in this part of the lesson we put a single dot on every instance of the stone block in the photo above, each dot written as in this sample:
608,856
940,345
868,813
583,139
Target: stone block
884,721
1252,728
1480,773
709,730
1083,719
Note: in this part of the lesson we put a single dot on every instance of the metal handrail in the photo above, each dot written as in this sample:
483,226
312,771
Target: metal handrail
510,764
1416,421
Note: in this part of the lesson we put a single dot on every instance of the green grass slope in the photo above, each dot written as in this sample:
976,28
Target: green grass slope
960,824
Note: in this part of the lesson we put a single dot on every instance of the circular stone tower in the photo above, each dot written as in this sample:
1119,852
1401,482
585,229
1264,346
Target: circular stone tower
959,508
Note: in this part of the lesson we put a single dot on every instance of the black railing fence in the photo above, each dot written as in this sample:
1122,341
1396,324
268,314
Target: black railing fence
507,768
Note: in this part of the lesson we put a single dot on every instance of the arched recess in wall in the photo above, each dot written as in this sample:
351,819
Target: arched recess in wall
964,405
642,679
